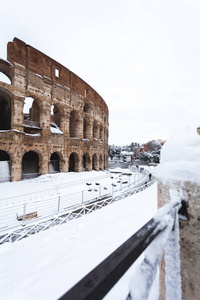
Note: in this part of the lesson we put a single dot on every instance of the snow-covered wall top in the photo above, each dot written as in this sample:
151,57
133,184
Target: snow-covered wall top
180,158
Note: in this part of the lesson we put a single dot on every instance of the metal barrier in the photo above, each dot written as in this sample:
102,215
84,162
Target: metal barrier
48,192
19,214
100,280
27,219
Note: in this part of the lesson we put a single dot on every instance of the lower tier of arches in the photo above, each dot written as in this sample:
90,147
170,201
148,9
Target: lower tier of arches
33,162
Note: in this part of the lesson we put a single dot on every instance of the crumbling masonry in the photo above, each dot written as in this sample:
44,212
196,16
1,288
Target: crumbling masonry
66,126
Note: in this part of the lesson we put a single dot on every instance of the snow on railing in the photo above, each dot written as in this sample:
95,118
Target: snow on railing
155,234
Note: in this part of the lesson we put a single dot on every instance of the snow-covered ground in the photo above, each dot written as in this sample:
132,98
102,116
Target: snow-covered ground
46,265
64,194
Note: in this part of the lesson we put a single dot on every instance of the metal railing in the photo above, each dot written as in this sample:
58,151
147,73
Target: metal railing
23,213
100,280
28,221
48,192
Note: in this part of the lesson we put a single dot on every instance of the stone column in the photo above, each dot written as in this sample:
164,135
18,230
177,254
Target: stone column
43,164
90,130
64,163
17,117
16,167
79,127
64,123
45,117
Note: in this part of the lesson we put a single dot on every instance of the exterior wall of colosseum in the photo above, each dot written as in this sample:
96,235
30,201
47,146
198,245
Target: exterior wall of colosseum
66,127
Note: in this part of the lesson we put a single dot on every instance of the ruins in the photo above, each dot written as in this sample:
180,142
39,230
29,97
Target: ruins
50,119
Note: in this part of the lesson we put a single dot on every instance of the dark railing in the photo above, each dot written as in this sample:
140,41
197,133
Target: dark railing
100,280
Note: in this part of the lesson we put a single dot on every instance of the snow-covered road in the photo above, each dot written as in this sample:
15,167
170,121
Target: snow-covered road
46,265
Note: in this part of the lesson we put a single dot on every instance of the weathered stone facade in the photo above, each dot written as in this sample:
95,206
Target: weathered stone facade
66,128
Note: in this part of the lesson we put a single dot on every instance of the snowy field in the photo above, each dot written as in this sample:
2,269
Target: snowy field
50,195
46,265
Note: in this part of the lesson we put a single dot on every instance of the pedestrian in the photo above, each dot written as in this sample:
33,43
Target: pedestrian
149,176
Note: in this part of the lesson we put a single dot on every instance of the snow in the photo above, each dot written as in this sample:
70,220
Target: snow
168,241
145,272
47,264
180,158
173,264
56,130
44,182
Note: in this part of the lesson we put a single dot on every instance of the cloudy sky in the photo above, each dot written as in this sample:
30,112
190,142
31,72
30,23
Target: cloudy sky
141,56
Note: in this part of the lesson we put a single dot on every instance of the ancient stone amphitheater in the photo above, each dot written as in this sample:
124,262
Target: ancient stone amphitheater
50,119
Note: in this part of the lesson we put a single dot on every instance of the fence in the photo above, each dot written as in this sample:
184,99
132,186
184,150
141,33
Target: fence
27,212
48,192
24,220
100,280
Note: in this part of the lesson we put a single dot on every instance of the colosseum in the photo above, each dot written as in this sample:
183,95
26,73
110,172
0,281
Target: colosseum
50,119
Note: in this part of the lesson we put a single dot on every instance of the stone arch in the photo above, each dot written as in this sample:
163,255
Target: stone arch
54,163
73,124
4,78
7,69
94,162
30,165
86,108
5,109
86,128
73,162
5,166
86,162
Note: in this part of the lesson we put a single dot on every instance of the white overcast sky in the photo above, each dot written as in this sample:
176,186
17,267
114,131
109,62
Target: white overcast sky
141,56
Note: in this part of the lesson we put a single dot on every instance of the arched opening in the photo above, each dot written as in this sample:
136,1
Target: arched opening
4,78
94,162
86,128
86,162
5,166
31,113
6,71
101,133
55,115
86,108
100,162
73,124
5,111
30,165
54,166
55,120
73,162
